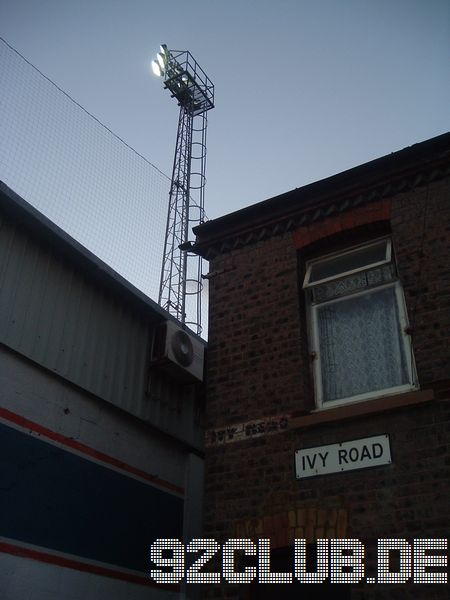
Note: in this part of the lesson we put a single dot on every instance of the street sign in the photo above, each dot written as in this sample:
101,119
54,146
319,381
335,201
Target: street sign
345,456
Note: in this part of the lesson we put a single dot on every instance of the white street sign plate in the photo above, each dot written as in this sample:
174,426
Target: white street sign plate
346,456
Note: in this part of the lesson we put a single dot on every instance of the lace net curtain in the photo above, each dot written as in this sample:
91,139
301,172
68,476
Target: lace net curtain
361,345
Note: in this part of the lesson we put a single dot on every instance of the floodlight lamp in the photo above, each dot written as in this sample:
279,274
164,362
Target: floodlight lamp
161,61
156,68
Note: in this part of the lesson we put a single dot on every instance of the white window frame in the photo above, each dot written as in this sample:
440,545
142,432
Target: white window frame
313,330
329,257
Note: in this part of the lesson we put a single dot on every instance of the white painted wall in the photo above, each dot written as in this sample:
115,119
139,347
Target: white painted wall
28,390
26,579
36,394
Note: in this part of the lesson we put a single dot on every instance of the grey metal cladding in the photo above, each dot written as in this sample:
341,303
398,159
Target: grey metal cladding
57,316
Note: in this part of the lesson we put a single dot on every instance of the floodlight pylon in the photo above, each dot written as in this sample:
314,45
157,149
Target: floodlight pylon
181,283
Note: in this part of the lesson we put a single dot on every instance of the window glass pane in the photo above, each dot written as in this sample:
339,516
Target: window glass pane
353,283
361,345
363,257
339,287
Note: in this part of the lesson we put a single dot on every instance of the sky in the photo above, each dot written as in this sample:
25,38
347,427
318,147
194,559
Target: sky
304,89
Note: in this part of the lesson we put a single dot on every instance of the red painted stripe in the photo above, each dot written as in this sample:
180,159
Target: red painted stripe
69,442
81,566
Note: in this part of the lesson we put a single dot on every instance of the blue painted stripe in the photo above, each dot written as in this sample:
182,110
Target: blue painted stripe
58,500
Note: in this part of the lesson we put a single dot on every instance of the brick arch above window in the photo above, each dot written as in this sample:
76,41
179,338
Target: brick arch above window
345,222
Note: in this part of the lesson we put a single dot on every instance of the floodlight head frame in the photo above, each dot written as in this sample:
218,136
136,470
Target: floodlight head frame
187,81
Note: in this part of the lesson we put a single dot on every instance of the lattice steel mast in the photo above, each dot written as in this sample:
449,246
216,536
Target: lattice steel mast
181,269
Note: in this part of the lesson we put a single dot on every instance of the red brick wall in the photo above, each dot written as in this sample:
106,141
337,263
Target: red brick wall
258,367
421,234
255,342
371,213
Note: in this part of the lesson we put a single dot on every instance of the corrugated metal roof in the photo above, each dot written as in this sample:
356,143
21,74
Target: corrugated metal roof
56,313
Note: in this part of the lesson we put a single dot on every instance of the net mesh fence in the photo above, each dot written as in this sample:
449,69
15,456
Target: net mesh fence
79,174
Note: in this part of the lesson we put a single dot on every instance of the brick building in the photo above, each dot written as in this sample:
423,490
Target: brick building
330,324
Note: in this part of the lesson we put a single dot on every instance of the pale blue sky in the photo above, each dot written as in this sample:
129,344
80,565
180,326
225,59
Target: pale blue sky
304,89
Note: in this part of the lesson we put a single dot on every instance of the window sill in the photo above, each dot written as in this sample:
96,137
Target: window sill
367,407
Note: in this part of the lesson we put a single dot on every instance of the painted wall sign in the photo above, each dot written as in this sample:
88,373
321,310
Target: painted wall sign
345,456
249,429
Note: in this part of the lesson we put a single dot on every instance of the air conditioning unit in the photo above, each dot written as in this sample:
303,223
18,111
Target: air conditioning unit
178,352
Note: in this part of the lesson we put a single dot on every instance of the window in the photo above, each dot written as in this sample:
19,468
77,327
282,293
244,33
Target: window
357,326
